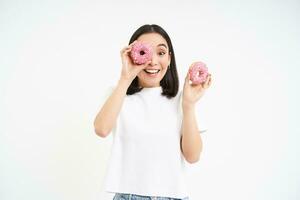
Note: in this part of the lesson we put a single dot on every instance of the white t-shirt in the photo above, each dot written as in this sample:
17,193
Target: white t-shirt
146,158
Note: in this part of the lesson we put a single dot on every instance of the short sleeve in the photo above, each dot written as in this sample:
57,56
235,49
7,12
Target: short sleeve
199,112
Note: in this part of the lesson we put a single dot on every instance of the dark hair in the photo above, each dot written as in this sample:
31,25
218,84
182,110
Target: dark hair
170,81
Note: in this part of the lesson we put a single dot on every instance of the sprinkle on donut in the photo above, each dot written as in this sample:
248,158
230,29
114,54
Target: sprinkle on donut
198,73
141,53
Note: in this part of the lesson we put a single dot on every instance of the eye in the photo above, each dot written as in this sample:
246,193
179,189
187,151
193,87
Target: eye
161,53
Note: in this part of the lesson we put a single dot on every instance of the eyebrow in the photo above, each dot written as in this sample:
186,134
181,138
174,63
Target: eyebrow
162,45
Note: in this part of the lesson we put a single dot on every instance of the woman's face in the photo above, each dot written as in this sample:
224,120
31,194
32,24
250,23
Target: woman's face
160,60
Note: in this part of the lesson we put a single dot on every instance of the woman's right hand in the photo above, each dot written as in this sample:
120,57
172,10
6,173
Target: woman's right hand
129,69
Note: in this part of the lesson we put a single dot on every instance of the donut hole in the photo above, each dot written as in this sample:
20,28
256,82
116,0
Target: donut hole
199,73
142,53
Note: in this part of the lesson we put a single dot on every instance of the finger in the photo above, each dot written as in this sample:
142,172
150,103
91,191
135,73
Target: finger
209,82
206,82
124,49
130,45
199,86
125,52
207,79
187,79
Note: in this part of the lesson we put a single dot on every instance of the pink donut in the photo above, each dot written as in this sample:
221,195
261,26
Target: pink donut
198,73
141,53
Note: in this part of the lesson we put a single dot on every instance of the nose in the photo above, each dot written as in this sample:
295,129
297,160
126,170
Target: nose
154,60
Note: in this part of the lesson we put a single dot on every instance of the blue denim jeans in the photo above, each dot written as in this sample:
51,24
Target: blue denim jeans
122,196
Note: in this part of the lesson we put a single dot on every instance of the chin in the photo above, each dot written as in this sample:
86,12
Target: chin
152,84
151,81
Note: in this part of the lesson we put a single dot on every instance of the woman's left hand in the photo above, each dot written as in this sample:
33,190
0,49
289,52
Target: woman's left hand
192,93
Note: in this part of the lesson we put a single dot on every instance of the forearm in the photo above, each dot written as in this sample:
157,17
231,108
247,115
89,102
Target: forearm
191,139
109,112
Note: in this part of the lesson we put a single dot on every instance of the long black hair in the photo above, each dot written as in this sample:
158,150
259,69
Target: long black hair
170,81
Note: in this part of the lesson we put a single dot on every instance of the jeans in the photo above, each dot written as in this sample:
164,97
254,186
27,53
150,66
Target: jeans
122,196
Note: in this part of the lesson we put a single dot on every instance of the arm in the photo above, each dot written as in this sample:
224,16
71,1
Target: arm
191,143
106,118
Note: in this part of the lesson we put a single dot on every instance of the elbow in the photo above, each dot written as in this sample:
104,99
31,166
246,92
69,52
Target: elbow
192,160
101,133
100,129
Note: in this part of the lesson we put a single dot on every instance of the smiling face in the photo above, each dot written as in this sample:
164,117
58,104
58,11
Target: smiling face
156,70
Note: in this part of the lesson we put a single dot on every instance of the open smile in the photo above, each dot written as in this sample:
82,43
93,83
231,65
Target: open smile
151,71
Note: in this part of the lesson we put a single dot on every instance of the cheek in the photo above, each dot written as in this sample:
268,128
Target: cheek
164,62
140,74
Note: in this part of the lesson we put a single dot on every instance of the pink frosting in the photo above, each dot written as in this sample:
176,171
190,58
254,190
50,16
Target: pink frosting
141,53
198,73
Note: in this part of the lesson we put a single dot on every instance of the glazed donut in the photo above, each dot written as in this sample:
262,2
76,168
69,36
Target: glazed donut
198,73
141,53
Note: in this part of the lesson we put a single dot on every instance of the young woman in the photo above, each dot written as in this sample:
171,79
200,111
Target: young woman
154,126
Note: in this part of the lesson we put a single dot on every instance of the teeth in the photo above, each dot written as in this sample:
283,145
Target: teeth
152,70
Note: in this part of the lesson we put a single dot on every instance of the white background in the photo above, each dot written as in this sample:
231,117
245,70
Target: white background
58,57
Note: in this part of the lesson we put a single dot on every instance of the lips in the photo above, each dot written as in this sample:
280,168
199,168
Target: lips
151,71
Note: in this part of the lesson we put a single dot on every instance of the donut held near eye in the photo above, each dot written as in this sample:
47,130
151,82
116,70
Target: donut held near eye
198,73
141,53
